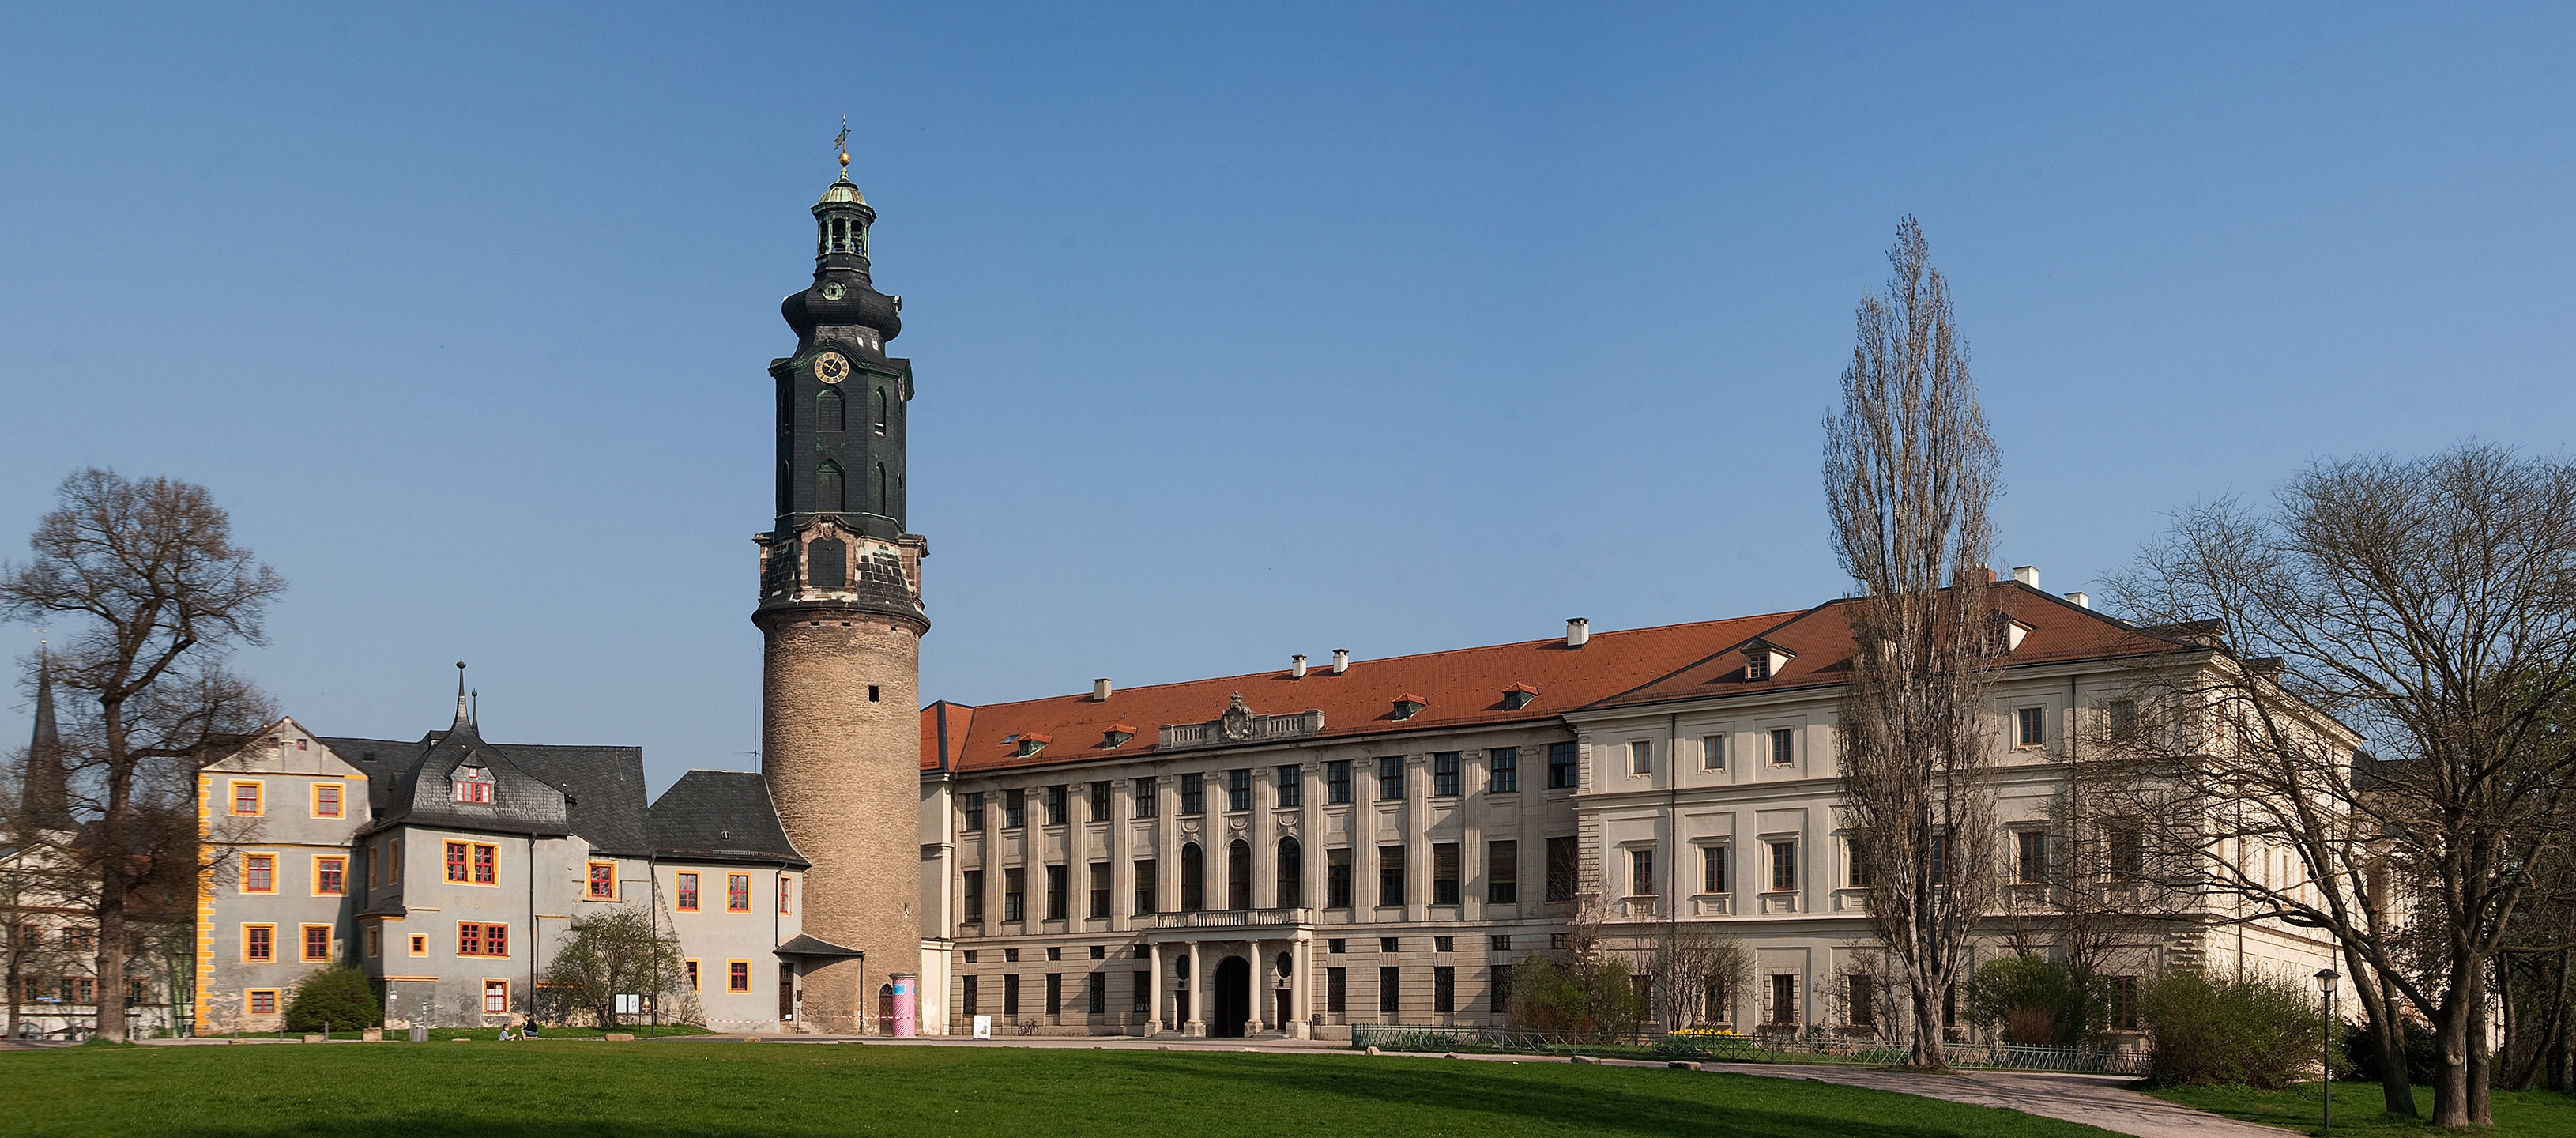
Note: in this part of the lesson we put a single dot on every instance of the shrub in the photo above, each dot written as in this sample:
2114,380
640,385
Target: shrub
1594,1000
2036,1000
341,997
2253,1030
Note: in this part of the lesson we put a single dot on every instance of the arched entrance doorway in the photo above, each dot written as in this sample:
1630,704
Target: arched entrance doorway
1233,997
885,1008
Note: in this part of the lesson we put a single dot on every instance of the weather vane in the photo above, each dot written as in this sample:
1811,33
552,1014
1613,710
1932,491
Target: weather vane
842,144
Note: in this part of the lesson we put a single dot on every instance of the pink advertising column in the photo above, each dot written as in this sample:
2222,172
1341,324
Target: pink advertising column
906,1004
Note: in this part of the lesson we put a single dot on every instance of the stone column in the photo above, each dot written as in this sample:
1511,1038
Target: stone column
1154,989
1167,843
1196,1024
1301,984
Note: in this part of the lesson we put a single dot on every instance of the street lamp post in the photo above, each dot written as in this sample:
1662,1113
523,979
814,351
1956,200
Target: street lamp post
2326,984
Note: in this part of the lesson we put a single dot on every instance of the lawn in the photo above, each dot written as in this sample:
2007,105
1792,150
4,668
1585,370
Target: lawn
2357,1113
653,1090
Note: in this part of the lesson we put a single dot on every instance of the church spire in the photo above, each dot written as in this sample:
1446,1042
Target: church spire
464,711
44,795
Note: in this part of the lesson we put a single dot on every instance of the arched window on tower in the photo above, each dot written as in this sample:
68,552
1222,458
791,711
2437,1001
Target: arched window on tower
885,499
1193,879
1292,874
827,563
1238,875
828,414
881,410
827,487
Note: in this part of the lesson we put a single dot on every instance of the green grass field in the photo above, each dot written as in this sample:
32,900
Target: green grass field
650,1090
2527,1114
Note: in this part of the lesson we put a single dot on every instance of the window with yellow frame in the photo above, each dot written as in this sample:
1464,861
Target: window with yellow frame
259,873
330,800
246,798
259,944
330,875
602,881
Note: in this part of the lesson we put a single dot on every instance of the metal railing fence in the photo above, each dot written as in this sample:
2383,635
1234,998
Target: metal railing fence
1730,1047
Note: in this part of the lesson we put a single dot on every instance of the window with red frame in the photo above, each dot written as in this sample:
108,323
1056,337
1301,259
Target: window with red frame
326,800
693,974
496,997
603,881
688,891
785,894
263,1001
259,943
477,939
245,798
487,865
456,855
737,893
738,976
330,876
317,942
259,873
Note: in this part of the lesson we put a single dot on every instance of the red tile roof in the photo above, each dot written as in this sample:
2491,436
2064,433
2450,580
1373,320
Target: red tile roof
1467,686
1459,688
1819,642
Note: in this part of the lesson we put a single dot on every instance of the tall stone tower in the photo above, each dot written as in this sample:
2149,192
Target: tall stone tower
840,614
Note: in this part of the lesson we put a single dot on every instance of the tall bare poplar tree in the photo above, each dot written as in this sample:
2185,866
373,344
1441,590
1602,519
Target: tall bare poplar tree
160,593
1909,474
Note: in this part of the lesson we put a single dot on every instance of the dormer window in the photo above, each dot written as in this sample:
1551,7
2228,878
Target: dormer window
1763,660
1030,744
1117,735
473,784
2003,633
1409,704
1518,696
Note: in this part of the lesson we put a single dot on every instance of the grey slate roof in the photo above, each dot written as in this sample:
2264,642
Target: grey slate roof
595,792
721,816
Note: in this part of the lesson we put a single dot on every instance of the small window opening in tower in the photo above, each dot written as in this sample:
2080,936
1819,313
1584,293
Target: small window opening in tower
881,410
884,500
827,487
872,693
828,414
827,563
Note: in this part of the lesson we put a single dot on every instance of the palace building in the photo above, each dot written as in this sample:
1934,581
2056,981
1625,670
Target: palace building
1297,851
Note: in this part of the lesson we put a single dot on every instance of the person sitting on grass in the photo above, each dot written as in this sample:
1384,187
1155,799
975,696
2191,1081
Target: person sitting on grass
528,1030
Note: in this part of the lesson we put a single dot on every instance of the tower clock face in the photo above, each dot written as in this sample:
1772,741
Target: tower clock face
831,368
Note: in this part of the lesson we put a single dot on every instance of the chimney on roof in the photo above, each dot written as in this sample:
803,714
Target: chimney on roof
2027,574
1100,690
1577,630
1341,660
1297,666
2081,601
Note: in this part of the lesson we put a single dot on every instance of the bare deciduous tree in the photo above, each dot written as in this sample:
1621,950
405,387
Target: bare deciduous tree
1909,474
2430,605
1695,970
150,570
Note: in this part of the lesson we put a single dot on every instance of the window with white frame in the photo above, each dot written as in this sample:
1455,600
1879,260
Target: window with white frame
1784,746
1712,869
1712,752
1641,757
2030,727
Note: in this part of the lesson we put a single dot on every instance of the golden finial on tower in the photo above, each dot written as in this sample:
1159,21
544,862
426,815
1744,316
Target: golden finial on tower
842,144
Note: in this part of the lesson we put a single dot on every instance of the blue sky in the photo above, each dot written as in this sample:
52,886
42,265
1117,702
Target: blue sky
1240,330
